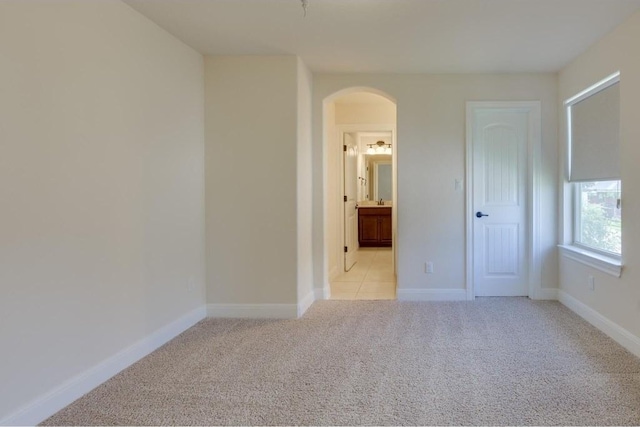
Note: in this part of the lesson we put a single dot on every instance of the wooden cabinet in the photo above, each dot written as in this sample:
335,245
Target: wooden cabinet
374,226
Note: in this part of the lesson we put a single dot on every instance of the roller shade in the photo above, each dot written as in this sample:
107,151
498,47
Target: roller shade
595,136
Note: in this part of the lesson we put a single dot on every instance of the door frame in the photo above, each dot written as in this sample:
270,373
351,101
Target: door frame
534,147
369,128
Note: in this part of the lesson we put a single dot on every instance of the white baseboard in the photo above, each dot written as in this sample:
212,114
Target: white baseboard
48,404
253,311
546,294
323,293
612,329
305,303
432,294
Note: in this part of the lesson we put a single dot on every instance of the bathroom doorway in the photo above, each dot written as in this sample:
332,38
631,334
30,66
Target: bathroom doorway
361,195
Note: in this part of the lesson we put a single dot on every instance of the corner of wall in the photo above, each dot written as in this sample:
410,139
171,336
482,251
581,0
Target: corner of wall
550,294
619,334
48,404
305,302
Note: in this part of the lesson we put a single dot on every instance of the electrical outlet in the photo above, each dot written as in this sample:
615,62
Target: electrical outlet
591,282
191,284
428,267
458,184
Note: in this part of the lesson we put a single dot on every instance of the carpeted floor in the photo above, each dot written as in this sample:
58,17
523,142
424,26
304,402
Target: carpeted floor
492,361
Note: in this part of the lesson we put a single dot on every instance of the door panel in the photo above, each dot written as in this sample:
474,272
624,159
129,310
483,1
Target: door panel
351,194
501,250
500,170
501,148
369,229
386,233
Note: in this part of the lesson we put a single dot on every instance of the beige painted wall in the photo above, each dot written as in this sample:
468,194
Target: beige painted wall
332,182
431,155
380,113
617,299
305,188
251,185
101,183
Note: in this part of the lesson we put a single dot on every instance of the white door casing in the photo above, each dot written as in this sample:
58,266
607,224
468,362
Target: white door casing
502,148
350,200
388,129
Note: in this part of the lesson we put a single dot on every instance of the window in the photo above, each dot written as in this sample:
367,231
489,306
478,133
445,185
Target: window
593,118
598,219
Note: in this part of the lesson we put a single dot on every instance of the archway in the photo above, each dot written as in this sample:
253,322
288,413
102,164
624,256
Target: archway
360,113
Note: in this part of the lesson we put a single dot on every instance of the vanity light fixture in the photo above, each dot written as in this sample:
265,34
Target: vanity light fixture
379,148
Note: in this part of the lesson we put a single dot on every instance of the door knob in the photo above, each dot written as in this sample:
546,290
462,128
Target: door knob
480,214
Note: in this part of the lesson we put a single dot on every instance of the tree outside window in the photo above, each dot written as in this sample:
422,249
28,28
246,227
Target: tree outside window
599,216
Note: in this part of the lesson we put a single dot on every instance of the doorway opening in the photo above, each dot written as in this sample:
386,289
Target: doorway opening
360,195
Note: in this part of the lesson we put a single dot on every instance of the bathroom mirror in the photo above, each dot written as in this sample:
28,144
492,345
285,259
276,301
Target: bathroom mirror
379,179
382,181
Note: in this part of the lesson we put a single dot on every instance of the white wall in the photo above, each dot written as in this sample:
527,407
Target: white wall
101,183
305,188
252,189
430,154
617,299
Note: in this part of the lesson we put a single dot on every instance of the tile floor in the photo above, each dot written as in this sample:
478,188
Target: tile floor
370,278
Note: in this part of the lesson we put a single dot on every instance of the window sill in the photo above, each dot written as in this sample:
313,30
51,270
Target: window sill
609,265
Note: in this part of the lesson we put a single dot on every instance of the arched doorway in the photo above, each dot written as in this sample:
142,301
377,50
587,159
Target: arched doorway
360,249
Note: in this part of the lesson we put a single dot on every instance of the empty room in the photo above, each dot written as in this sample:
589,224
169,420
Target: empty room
319,212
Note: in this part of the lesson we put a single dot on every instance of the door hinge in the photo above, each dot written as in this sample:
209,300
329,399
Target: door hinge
344,148
345,198
346,249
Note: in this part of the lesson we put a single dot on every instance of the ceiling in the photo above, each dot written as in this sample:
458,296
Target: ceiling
395,36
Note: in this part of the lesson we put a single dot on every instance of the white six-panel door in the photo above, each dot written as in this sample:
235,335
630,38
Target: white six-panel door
499,223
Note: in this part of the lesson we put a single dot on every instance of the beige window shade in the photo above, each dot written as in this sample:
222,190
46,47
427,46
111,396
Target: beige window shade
595,136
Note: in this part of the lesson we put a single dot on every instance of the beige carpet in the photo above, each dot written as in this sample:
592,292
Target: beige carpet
491,361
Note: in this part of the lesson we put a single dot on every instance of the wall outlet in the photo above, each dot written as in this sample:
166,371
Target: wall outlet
191,284
591,282
458,184
428,267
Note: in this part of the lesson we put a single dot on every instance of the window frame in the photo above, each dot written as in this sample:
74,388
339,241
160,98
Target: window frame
576,220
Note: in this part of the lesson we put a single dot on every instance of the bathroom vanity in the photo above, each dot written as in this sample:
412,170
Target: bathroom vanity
375,226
